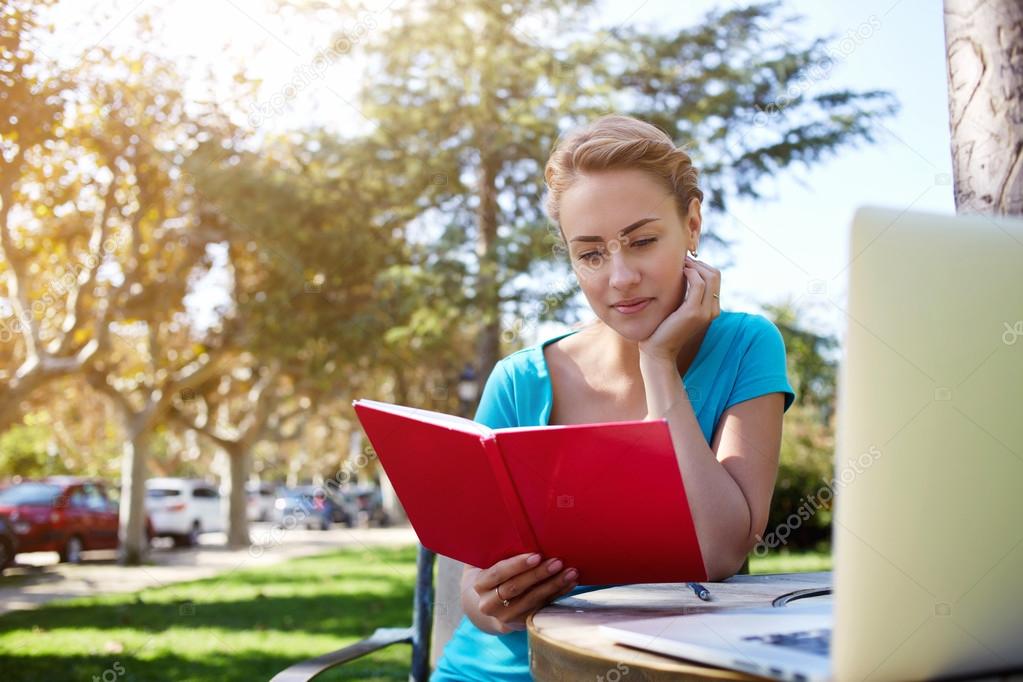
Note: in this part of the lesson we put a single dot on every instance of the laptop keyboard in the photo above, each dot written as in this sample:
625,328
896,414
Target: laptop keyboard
816,642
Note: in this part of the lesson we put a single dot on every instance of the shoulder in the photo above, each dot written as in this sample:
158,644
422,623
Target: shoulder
757,357
520,368
517,390
743,321
762,332
531,362
748,332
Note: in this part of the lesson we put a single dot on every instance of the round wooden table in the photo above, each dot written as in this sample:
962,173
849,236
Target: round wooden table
566,643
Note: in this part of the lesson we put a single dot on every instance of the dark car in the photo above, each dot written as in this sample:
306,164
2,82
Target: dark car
369,503
307,506
8,543
62,514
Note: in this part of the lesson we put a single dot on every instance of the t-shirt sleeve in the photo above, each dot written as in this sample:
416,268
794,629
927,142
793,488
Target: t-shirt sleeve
497,402
762,369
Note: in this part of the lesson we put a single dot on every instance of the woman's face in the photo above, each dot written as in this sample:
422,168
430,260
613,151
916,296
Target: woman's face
627,242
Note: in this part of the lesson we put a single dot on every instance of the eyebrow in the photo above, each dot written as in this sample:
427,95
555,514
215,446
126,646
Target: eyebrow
635,226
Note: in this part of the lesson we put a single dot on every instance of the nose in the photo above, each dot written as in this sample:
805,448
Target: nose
623,275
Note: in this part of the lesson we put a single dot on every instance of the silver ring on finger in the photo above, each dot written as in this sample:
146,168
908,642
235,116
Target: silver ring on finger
497,591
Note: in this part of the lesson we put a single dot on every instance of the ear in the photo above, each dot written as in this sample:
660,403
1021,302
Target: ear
693,223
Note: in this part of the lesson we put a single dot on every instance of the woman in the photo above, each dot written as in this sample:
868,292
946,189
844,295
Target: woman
627,204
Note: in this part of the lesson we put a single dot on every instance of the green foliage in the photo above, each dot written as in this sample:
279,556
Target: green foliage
791,562
801,505
360,263
812,363
29,451
738,87
468,99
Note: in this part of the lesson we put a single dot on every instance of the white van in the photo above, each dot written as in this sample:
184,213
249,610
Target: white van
182,508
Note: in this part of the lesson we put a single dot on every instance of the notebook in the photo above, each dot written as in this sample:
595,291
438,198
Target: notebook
607,499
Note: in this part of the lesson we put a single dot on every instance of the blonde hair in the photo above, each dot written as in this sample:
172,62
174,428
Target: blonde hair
618,142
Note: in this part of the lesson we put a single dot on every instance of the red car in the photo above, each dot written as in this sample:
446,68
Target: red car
62,514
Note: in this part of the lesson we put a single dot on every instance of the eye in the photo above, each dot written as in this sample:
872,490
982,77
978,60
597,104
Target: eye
592,257
644,242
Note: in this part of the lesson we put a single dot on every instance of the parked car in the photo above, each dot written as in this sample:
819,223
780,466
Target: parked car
344,508
260,498
183,508
306,506
64,514
8,543
369,505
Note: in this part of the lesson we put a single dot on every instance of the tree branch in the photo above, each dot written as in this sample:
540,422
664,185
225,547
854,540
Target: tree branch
205,429
75,300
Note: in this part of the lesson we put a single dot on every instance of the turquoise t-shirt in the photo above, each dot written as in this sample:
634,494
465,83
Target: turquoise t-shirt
742,356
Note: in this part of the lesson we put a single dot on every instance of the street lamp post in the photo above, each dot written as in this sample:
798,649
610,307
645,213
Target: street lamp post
468,390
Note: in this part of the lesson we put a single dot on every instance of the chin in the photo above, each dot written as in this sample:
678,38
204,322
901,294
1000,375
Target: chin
631,330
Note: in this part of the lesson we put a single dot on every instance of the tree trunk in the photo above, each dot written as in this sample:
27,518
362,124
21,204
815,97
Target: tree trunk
237,519
489,347
132,526
984,39
390,502
487,141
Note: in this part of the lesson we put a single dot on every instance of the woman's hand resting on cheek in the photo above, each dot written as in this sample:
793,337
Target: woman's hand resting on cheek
698,309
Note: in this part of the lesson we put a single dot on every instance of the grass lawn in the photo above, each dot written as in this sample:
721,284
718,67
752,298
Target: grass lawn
790,562
245,625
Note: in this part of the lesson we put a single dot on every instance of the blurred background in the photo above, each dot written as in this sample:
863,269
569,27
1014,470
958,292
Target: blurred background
222,221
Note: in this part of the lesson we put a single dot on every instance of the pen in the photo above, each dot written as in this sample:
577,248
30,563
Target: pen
700,591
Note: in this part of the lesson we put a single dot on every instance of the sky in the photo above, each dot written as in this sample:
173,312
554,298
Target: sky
789,246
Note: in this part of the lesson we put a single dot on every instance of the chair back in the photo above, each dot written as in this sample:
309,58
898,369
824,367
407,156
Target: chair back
447,607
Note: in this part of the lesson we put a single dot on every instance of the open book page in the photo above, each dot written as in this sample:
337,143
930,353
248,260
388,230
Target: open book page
438,418
546,427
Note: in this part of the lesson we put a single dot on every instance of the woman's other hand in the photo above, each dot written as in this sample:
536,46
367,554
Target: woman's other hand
698,309
526,583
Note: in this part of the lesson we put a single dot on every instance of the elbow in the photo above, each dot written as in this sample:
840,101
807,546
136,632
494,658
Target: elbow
726,559
728,556
724,565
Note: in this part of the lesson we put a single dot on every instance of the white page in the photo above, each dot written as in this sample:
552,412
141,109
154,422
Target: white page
438,418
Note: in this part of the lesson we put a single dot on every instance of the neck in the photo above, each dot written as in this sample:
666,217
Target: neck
621,355
621,352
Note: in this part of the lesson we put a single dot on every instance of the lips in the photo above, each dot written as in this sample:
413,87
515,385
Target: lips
633,305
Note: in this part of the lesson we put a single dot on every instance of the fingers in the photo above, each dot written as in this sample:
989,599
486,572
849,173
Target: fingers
695,286
542,593
711,278
491,577
513,617
519,584
711,275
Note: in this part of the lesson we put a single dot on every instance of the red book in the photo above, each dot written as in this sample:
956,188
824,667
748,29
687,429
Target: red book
607,499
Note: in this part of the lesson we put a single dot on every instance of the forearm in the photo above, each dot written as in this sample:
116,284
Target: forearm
720,512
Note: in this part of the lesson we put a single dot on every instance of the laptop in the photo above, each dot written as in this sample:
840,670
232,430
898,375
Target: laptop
927,537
